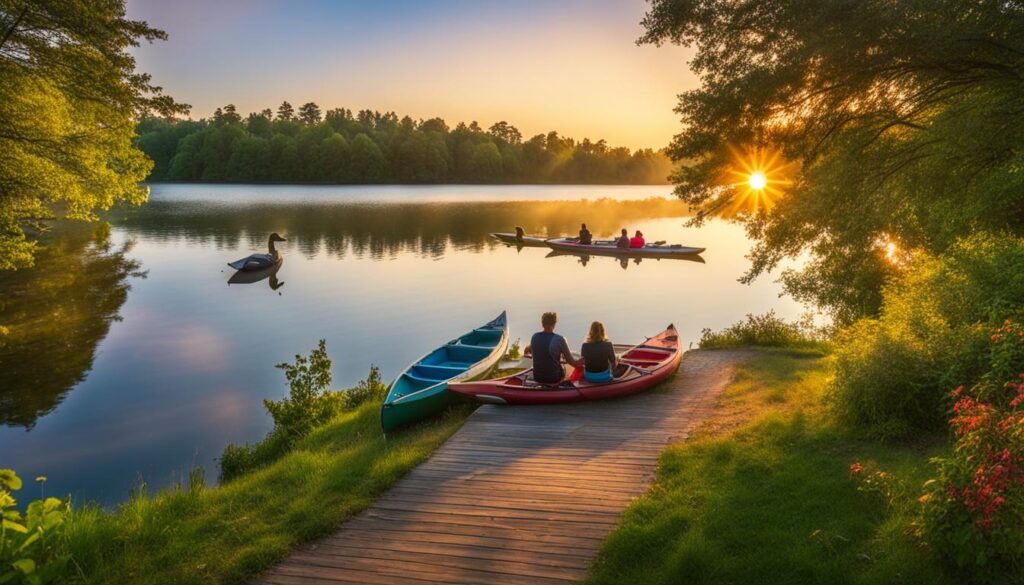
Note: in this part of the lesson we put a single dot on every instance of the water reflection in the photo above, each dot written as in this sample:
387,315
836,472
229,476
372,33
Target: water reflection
254,276
56,313
380,231
624,262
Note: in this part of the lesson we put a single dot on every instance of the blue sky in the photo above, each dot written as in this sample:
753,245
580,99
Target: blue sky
570,66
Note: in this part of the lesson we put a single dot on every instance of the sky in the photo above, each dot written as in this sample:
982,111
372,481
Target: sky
571,66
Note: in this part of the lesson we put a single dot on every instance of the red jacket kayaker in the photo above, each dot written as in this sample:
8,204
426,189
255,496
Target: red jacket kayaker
623,241
637,241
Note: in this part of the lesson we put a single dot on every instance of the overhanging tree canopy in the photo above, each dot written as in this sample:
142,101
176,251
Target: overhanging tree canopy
69,95
904,122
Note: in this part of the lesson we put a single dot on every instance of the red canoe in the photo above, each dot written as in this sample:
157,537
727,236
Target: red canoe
644,366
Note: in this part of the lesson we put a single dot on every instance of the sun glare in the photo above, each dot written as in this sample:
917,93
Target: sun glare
757,178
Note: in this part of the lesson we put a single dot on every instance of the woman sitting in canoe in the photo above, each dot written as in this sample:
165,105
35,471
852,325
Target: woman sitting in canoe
599,359
638,240
623,241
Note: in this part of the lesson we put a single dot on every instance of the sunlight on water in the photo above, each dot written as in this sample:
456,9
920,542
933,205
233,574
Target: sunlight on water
382,273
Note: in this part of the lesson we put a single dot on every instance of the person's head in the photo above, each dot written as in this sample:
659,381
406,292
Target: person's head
597,332
639,234
548,320
624,232
583,227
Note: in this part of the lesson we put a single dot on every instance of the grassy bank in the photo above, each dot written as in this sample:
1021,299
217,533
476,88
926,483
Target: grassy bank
765,494
230,533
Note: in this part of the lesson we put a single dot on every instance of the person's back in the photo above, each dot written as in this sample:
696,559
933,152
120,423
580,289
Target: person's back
598,355
637,241
585,236
623,241
548,349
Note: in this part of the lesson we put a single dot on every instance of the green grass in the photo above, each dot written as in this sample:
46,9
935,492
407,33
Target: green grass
763,494
230,533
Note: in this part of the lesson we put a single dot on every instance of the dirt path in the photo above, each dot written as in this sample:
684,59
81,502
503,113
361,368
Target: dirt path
519,495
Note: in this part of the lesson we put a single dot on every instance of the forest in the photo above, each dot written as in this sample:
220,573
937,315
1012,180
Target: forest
342,147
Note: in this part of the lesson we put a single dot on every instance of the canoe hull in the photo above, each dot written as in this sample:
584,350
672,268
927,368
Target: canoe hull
570,245
527,241
416,394
657,359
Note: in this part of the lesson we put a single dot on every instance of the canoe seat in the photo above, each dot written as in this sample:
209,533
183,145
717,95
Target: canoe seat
430,381
459,365
436,371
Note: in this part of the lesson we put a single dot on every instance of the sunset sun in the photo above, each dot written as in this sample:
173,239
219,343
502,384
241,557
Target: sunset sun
757,178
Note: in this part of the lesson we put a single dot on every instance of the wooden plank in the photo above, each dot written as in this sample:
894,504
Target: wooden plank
519,495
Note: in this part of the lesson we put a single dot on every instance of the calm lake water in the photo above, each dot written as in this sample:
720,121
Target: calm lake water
131,357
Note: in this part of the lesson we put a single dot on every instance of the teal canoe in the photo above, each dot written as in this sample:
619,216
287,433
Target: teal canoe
421,390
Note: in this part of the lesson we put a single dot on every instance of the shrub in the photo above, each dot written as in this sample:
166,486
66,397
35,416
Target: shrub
893,373
974,510
30,545
372,388
767,330
306,406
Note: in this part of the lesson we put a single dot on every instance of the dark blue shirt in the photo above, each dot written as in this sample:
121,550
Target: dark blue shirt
547,351
598,355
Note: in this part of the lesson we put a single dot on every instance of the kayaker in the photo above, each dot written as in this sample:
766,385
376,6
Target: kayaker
623,241
638,240
519,234
586,238
598,355
548,349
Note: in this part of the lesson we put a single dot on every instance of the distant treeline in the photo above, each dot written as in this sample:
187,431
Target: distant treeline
373,147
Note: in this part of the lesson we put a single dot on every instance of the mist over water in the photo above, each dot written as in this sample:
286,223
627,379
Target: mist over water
132,357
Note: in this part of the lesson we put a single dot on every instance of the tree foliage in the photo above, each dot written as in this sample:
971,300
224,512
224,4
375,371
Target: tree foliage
69,97
903,121
370,147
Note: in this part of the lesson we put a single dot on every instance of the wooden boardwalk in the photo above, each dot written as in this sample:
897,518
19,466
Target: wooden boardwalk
519,495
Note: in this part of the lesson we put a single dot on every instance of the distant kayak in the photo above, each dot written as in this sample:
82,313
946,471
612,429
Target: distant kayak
608,248
420,391
529,241
641,367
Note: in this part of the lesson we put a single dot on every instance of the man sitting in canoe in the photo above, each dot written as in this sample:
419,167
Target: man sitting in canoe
519,234
623,241
599,359
548,349
638,240
586,238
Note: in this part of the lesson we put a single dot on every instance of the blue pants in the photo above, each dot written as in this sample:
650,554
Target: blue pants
605,376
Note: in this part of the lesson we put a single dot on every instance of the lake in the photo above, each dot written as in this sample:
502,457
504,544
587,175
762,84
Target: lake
131,357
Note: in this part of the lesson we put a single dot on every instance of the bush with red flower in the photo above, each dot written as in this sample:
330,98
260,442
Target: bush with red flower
974,510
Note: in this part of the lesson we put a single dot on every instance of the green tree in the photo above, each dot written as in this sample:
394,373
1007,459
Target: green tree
284,159
368,163
331,163
902,122
309,114
69,98
249,161
505,132
285,112
421,158
485,163
260,124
